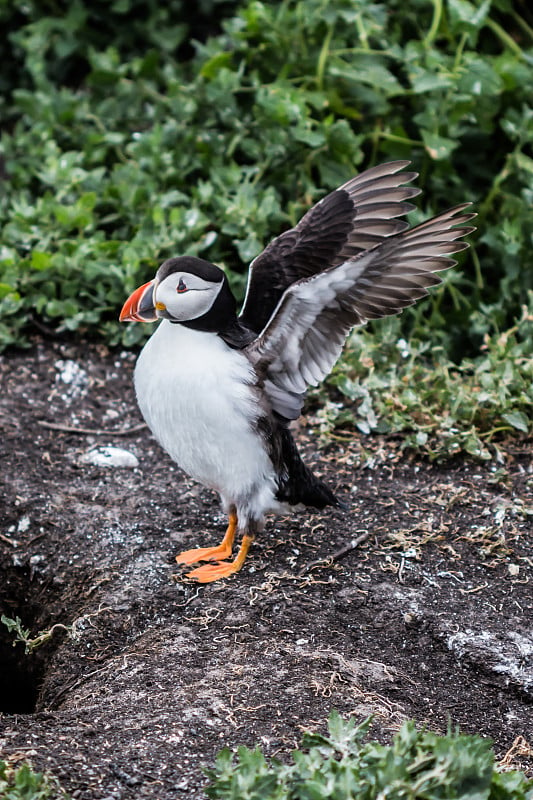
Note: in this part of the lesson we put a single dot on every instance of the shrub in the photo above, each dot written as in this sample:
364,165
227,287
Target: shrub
23,783
120,149
418,764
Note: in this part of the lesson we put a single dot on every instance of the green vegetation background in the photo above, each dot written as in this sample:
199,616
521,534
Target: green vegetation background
135,130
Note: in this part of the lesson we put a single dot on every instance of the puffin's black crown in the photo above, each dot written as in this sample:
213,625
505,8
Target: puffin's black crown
193,265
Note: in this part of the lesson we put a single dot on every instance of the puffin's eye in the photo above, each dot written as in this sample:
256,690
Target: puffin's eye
181,286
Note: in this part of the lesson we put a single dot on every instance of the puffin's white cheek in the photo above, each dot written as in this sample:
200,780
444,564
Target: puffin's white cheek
183,306
191,304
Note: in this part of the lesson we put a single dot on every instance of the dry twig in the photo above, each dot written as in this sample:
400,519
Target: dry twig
90,431
337,555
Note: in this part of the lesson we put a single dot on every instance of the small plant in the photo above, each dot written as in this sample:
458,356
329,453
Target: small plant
23,635
418,764
22,783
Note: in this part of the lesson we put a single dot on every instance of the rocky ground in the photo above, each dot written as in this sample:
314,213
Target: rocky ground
416,602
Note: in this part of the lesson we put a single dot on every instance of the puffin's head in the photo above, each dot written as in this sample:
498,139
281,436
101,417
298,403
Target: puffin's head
188,290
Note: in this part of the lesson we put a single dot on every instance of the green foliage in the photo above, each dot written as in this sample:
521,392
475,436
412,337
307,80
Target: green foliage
59,38
23,783
418,764
390,385
125,141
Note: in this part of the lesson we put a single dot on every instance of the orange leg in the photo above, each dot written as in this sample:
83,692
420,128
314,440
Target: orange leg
213,572
221,551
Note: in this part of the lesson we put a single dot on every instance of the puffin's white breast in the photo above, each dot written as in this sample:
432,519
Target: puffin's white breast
196,395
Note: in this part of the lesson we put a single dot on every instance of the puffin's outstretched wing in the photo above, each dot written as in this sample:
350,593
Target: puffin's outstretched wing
305,335
349,220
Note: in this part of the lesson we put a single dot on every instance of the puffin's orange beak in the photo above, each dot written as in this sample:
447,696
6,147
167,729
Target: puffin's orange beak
139,307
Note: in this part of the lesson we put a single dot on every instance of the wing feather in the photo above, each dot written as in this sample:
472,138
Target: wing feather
306,333
356,217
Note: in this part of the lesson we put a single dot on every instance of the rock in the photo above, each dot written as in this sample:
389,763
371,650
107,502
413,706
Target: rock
107,456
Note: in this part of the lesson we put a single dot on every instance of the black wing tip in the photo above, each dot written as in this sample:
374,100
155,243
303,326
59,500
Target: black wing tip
380,171
395,166
454,211
320,496
453,218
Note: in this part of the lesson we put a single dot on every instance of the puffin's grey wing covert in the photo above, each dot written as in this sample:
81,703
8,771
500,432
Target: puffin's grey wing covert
351,219
307,331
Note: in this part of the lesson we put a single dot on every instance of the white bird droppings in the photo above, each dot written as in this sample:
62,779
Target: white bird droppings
73,376
23,524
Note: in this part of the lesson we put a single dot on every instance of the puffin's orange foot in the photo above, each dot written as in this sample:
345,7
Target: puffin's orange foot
218,553
213,572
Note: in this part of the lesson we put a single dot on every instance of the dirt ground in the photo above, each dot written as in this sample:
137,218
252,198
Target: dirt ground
416,602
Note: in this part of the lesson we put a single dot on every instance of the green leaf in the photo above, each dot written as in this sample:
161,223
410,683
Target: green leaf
517,419
40,260
5,289
212,66
438,147
470,15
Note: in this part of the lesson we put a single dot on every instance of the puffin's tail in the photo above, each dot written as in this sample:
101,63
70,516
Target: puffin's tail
297,483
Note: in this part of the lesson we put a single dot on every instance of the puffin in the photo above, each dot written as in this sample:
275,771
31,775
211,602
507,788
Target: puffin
219,389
